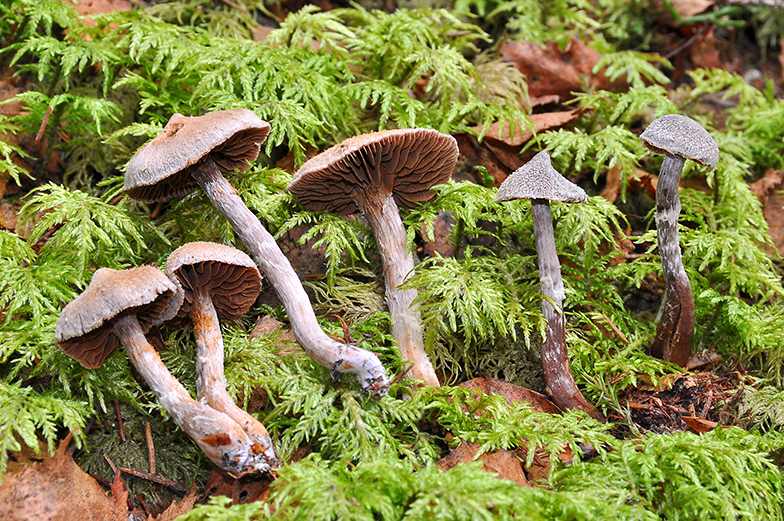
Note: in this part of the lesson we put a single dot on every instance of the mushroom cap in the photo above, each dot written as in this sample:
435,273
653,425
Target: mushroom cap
403,162
678,135
230,277
84,329
537,179
160,170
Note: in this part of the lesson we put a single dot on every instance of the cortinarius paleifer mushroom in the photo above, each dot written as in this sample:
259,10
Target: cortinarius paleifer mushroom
373,173
218,281
193,150
118,307
677,138
538,181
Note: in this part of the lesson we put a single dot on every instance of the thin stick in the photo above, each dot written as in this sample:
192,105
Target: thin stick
114,469
144,505
44,122
150,447
119,419
614,328
169,484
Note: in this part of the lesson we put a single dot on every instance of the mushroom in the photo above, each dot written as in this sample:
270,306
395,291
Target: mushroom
677,138
373,173
118,307
218,282
538,181
196,150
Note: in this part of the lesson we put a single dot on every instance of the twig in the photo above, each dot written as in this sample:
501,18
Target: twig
119,419
114,469
44,122
173,486
144,505
614,328
235,6
689,42
150,447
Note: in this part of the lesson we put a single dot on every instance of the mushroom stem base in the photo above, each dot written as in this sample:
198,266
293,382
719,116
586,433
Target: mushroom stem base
674,333
210,376
555,359
336,356
217,435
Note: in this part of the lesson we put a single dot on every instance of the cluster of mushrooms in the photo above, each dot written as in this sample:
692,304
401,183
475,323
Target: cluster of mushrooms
372,174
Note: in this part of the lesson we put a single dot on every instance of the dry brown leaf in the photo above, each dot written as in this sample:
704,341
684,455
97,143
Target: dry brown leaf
699,425
502,462
177,508
56,489
89,7
688,8
543,121
513,393
644,181
247,488
550,71
768,190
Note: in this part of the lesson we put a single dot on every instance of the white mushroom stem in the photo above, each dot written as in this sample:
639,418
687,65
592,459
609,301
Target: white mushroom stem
338,357
555,359
210,376
221,439
381,211
674,333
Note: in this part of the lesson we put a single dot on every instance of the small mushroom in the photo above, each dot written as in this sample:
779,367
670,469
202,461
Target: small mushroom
196,150
372,174
118,307
218,282
538,181
677,138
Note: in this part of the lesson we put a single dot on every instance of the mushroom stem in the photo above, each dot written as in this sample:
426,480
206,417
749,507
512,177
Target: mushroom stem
339,358
210,377
555,359
221,439
674,333
381,211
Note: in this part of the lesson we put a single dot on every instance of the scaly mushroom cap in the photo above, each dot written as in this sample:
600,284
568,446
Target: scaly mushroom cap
678,135
228,275
537,179
160,170
84,329
403,162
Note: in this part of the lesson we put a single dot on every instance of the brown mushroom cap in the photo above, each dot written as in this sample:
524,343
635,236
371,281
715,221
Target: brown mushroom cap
84,329
160,170
229,276
403,162
537,179
678,135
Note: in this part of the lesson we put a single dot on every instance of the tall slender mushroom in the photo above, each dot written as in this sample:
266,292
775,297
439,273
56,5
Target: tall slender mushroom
118,307
373,173
196,150
218,282
677,138
538,181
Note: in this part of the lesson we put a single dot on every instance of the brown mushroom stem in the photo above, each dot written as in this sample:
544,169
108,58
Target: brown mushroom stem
221,439
210,377
339,358
381,211
555,359
674,333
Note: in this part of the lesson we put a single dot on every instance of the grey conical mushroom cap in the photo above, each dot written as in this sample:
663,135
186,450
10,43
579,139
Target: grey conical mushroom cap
537,179
230,277
160,170
84,328
403,162
678,135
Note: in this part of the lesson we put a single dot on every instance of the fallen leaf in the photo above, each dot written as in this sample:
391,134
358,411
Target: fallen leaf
177,508
644,181
246,488
512,393
704,52
688,8
57,489
502,462
699,425
542,122
768,190
702,359
550,71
